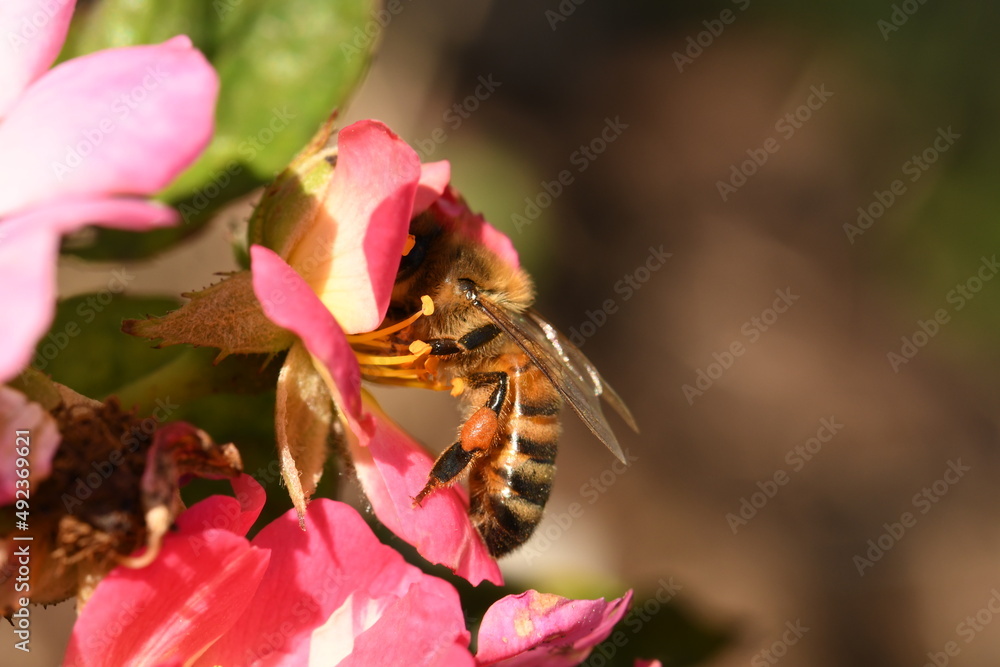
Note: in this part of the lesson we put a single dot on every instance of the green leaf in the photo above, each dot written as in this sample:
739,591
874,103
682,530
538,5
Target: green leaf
86,350
112,23
284,66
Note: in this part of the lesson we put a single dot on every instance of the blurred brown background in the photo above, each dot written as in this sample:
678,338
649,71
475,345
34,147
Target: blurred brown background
699,92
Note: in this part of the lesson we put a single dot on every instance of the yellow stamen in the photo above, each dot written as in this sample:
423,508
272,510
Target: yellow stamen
401,380
380,360
427,308
407,373
411,241
457,386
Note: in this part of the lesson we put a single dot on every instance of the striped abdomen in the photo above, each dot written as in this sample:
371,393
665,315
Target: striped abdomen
510,485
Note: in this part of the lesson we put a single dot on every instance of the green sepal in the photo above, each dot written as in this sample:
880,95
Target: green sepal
304,415
226,316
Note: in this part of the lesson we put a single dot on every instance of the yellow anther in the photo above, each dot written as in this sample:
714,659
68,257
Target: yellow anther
427,305
411,241
431,364
419,348
457,386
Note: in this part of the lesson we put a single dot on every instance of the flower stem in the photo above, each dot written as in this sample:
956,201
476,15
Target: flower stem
193,375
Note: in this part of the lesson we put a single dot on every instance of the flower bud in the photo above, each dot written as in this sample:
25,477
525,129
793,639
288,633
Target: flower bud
339,216
290,204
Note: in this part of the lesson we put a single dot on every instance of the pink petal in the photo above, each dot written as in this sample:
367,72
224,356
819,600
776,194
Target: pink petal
392,469
434,179
236,515
424,628
34,31
324,588
172,609
29,248
289,302
68,214
351,254
123,121
538,629
27,432
639,662
27,287
452,209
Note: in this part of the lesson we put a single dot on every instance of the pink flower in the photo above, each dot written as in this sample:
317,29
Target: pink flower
326,242
536,629
78,144
346,253
330,595
29,438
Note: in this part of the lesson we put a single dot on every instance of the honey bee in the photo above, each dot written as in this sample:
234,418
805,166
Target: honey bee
513,369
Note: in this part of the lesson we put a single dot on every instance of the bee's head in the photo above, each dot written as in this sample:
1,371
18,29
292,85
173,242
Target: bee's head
455,271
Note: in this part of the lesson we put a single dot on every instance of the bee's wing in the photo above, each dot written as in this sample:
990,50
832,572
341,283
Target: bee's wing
581,366
566,367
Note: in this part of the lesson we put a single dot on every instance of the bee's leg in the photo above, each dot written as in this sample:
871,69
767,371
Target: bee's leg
475,439
470,341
